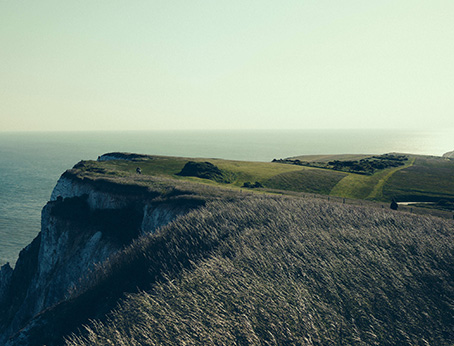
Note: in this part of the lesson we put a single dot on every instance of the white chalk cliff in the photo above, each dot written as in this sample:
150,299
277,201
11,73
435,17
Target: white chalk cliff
449,154
82,225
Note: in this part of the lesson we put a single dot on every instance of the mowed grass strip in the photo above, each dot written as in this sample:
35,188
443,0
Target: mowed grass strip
377,192
247,171
366,186
306,180
429,179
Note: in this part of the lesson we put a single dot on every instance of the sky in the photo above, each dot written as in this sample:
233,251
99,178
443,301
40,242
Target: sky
200,64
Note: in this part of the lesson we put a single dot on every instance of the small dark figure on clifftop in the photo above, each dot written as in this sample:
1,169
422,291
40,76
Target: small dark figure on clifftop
138,170
394,205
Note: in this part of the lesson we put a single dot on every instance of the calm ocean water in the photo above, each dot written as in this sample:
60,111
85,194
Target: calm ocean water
31,163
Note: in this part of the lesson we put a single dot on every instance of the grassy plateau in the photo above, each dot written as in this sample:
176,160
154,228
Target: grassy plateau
417,179
274,264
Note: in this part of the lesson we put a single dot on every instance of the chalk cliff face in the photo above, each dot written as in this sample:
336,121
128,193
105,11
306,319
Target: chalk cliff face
449,154
82,225
5,276
122,156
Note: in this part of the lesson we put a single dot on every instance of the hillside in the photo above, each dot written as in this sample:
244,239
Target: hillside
274,270
187,255
415,179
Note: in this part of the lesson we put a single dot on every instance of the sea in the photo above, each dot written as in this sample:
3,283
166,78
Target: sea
32,162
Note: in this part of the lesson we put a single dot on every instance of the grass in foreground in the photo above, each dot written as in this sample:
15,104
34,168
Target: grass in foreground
267,271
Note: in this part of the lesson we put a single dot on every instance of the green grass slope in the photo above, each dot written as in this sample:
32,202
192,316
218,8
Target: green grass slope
428,179
421,178
270,175
170,167
306,180
366,186
282,271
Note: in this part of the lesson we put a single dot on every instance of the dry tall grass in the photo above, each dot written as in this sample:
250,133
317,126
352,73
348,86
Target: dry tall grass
284,271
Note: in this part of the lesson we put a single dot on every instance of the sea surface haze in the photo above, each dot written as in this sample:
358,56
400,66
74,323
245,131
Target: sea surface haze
31,163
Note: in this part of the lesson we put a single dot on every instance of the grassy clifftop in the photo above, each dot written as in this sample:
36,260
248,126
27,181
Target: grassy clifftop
275,270
417,178
249,268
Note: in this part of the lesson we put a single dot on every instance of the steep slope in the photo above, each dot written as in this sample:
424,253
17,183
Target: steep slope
287,271
270,270
428,179
85,222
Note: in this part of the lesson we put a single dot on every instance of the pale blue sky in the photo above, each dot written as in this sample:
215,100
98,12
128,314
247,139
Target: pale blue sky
148,65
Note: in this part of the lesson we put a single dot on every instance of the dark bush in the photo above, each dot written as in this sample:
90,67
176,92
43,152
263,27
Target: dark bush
205,170
394,205
250,185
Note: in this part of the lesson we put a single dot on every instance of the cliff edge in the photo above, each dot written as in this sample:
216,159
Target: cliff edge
86,220
131,253
449,154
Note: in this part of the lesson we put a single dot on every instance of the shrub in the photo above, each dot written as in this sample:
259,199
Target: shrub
394,205
205,170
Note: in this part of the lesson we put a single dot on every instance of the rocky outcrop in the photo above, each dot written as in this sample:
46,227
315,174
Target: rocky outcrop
5,277
82,225
122,156
449,154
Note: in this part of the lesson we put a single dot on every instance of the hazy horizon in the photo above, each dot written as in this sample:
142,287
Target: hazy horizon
176,65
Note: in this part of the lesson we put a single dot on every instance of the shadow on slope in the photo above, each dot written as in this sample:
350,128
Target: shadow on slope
271,270
205,170
282,271
306,180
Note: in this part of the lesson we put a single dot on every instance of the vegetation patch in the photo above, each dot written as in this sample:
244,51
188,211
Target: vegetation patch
204,170
306,180
360,186
367,166
250,185
429,179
